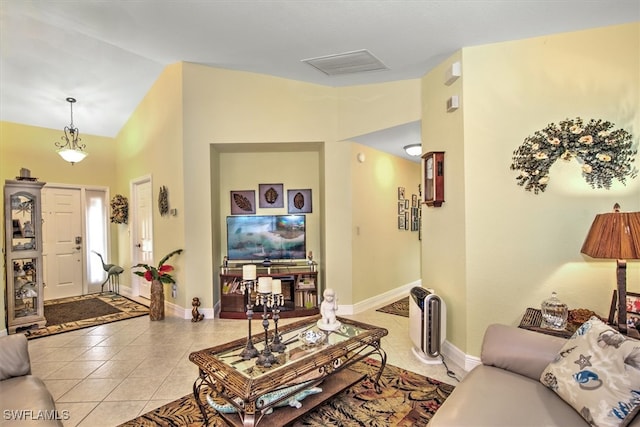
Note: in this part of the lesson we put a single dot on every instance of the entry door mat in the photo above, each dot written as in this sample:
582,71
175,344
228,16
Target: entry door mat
399,308
72,313
407,399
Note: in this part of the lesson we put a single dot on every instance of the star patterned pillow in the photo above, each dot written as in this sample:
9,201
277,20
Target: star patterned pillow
597,372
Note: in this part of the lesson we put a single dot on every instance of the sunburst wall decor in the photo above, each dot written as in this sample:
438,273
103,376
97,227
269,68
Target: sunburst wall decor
604,153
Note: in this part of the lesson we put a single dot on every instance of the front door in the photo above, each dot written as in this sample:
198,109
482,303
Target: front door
63,248
142,231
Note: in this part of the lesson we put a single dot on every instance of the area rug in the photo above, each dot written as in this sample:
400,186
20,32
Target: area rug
407,399
69,314
399,308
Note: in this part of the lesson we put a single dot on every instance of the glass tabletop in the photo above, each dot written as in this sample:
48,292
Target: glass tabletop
303,341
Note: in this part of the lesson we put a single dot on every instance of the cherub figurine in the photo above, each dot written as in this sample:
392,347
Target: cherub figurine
196,315
328,309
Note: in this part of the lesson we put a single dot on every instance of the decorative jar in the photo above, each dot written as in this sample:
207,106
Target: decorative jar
554,313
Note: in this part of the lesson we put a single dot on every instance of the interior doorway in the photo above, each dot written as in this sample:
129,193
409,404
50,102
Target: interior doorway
141,217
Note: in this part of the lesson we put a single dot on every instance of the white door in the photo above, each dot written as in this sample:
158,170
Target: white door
142,231
62,242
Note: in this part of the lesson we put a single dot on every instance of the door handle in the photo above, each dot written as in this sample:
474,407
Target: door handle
78,247
139,245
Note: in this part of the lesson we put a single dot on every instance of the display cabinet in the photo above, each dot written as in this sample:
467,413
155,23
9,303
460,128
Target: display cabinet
23,255
299,290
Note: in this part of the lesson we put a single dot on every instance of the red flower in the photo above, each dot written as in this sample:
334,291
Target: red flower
165,268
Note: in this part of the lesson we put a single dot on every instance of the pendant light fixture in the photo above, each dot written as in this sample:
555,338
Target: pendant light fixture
70,148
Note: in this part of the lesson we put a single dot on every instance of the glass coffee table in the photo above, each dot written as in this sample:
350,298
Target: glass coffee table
245,393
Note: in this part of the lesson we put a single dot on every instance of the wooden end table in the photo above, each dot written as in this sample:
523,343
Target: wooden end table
228,378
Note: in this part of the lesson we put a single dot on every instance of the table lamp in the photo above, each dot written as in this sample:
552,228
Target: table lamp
616,235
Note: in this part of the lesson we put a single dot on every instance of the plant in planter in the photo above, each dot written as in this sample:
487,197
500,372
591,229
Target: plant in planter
157,276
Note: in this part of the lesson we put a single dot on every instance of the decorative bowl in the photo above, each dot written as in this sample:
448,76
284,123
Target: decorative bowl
312,338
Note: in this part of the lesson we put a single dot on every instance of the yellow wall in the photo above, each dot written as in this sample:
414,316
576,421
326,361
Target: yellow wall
33,148
383,255
513,248
150,143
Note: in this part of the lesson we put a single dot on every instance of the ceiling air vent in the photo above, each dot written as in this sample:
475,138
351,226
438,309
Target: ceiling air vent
347,63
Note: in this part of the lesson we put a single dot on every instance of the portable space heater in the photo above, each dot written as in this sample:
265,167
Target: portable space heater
427,324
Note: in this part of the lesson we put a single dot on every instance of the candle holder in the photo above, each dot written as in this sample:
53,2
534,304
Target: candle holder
276,344
249,351
266,358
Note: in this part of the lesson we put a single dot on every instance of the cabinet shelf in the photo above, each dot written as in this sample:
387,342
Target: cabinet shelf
23,257
299,290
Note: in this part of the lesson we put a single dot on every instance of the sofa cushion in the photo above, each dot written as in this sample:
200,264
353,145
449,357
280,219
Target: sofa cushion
494,397
519,350
14,356
598,373
25,401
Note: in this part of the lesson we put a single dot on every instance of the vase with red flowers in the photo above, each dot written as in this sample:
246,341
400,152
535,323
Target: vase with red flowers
157,276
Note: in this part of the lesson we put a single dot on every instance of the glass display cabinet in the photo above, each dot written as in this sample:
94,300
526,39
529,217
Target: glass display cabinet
23,230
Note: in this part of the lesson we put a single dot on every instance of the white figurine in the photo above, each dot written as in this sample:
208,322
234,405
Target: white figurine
328,310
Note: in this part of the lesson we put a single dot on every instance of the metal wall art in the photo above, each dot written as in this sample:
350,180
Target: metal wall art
163,201
604,153
299,201
243,202
271,196
119,209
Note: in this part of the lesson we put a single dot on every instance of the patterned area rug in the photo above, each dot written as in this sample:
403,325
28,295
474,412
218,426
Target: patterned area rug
399,308
69,314
407,399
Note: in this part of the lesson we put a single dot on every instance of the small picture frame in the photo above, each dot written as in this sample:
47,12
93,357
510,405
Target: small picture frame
633,310
400,207
414,200
243,202
299,201
270,196
400,193
401,222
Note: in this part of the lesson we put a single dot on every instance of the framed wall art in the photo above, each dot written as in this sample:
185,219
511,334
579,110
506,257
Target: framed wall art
299,201
243,202
270,196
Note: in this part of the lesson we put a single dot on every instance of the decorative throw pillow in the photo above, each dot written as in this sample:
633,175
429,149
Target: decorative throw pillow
597,372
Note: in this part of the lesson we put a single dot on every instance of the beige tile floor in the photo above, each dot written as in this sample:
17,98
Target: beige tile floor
109,374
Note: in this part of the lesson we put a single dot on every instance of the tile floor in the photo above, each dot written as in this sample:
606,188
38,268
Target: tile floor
109,374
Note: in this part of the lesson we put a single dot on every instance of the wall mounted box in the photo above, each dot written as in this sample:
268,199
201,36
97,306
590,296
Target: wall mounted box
453,103
452,73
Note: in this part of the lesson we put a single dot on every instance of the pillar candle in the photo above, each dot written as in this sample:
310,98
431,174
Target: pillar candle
276,286
264,285
249,272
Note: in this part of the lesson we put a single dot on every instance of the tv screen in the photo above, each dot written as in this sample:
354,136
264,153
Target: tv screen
256,237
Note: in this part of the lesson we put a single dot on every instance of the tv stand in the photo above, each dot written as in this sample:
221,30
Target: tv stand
299,289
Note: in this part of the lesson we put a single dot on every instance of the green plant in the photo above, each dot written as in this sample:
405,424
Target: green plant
161,272
604,153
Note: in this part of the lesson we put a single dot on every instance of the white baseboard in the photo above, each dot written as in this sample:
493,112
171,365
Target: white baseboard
459,357
378,300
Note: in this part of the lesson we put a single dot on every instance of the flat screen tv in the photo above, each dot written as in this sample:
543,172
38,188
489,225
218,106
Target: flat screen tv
260,237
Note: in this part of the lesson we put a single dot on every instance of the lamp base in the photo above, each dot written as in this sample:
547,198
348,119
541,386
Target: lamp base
621,276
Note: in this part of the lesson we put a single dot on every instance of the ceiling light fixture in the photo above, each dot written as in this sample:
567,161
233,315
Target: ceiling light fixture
70,148
413,149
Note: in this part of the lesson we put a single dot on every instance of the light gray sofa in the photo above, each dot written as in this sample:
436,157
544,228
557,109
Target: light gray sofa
505,390
24,398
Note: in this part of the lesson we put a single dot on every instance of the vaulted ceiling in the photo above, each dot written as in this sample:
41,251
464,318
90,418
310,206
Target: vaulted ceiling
108,53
